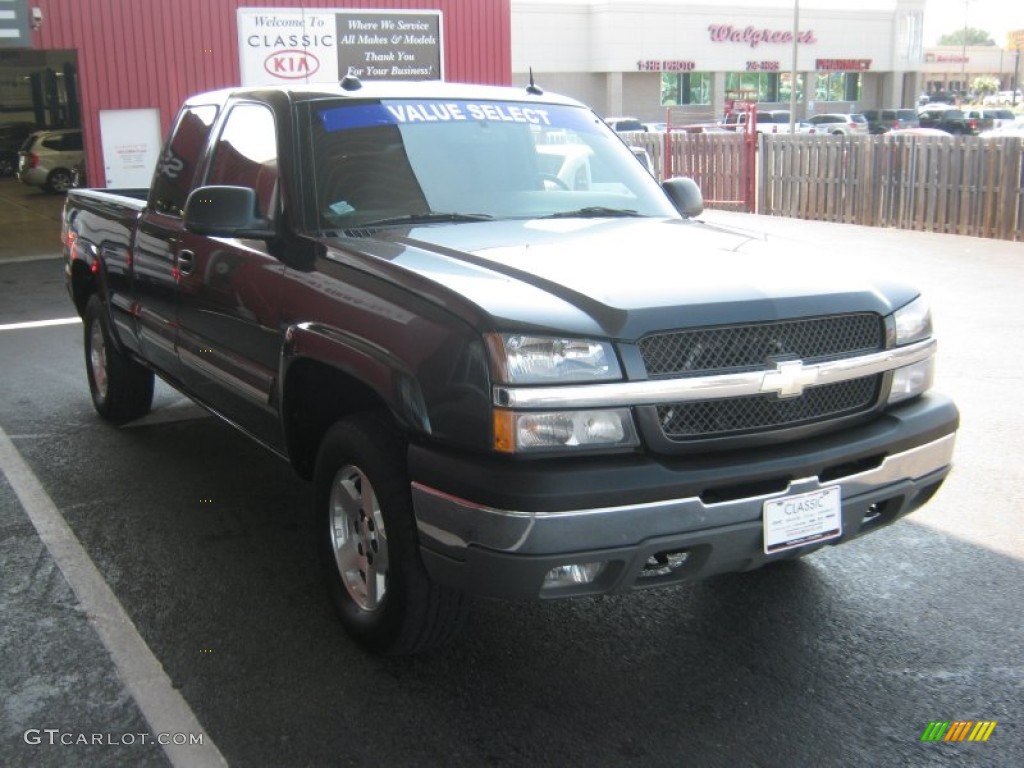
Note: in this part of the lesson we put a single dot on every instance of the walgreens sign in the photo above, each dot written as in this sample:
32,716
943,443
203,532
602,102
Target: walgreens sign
754,36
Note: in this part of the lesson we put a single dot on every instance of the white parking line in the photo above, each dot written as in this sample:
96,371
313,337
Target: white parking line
30,257
161,704
40,323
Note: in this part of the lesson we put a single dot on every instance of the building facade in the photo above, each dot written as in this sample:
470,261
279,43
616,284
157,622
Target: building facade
694,57
119,69
954,69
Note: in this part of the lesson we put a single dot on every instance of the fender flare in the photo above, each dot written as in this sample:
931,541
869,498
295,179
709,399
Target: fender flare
360,360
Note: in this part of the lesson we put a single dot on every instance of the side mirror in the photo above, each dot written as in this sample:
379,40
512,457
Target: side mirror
221,211
685,196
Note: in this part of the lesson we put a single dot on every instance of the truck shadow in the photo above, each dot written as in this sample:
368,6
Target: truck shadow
206,539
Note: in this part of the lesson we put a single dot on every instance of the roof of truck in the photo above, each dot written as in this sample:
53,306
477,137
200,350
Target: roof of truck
387,89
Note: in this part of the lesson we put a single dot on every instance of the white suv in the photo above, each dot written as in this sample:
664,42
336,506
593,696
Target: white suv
48,158
768,121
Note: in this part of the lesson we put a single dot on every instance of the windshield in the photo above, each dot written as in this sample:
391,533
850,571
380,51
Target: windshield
396,161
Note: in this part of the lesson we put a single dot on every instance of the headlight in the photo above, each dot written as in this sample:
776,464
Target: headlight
913,322
524,359
526,431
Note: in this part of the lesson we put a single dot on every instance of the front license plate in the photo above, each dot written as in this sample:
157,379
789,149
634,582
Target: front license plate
806,518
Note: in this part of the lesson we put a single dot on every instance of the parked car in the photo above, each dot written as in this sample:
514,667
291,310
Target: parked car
1003,97
78,178
768,121
999,117
883,120
12,136
700,128
1013,130
625,124
934,106
839,124
919,131
47,159
953,121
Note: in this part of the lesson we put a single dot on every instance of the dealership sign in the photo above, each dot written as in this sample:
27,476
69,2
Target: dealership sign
14,24
295,45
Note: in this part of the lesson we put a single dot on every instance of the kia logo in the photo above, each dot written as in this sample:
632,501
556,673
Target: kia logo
291,64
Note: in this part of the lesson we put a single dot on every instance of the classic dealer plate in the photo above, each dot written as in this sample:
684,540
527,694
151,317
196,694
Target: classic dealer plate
805,518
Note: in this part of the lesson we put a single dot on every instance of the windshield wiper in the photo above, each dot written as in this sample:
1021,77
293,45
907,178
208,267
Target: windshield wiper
430,217
593,212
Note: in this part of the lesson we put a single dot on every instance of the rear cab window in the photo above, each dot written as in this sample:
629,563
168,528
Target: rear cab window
176,168
245,155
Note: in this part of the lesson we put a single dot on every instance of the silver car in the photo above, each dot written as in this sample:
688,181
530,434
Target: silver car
840,124
48,158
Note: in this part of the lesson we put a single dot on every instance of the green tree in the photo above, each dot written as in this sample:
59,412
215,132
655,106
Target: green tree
984,85
967,36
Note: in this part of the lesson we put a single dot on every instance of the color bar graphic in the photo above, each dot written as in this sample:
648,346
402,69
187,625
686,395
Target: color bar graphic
958,730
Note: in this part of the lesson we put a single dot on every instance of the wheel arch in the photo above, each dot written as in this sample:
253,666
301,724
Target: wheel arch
325,379
58,170
83,284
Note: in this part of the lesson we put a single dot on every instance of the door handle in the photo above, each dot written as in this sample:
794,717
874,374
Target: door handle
185,261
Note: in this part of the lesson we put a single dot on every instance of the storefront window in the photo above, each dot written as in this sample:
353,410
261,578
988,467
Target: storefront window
770,87
838,86
784,87
679,88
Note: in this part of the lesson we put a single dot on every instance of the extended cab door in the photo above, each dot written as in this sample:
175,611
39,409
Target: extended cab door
229,339
161,242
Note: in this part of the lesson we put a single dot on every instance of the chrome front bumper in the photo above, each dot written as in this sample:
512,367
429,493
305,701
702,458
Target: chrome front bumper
505,552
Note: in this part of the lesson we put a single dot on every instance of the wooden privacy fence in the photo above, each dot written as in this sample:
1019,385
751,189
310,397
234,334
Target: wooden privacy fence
962,185
716,161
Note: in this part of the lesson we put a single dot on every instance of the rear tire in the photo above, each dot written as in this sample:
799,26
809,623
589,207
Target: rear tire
58,182
122,389
369,546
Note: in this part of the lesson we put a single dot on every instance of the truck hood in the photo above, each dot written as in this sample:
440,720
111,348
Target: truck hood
622,277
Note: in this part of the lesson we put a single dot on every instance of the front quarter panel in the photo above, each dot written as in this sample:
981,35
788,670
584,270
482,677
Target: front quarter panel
426,364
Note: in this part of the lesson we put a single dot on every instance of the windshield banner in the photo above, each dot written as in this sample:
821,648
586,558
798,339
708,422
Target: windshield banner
412,112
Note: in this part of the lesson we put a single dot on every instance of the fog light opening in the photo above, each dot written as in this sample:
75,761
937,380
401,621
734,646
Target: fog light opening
881,512
873,513
571,575
664,563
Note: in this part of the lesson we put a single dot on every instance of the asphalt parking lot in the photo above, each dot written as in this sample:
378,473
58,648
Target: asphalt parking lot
177,538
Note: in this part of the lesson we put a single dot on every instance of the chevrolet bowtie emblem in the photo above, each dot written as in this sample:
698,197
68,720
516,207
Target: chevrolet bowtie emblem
789,379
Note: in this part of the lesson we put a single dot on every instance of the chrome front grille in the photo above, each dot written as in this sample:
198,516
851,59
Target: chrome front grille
747,347
731,349
738,415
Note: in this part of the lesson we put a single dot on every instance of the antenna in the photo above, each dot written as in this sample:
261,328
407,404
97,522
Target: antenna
351,81
533,88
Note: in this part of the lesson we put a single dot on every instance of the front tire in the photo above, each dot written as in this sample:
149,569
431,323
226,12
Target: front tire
369,547
122,389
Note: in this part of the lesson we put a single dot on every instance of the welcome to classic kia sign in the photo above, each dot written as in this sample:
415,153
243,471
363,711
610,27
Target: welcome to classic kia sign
295,45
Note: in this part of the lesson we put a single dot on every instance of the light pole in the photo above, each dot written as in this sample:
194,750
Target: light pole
963,56
1016,76
792,71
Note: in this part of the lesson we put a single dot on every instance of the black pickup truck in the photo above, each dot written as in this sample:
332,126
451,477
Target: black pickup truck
953,121
511,363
